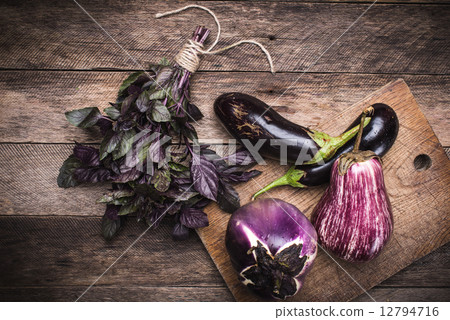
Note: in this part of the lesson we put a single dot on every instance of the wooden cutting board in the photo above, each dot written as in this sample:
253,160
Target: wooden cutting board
419,197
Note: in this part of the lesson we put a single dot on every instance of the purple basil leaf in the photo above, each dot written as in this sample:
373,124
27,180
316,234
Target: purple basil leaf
228,198
173,208
221,165
128,208
163,62
143,209
112,112
115,106
212,156
139,151
163,76
156,151
209,154
126,125
87,155
126,104
126,142
143,101
92,175
179,156
200,204
109,143
158,95
104,124
112,212
176,126
134,89
241,157
204,175
160,113
66,177
148,192
182,177
147,84
115,168
180,232
161,179
194,112
182,181
193,218
177,167
155,216
128,175
109,227
84,118
232,170
129,81
149,170
120,186
131,159
179,194
240,176
189,131
143,78
190,203
118,198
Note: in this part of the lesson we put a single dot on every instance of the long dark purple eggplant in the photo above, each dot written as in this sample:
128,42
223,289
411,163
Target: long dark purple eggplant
378,136
254,123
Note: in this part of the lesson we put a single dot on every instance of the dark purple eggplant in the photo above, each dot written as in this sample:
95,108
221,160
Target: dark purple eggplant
254,124
378,136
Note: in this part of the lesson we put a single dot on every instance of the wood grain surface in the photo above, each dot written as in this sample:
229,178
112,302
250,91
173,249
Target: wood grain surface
419,202
388,39
54,58
313,99
55,258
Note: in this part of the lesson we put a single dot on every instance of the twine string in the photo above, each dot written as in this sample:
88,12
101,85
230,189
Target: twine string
188,57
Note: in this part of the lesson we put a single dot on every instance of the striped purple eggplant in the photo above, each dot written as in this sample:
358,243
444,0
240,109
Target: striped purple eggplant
272,246
353,218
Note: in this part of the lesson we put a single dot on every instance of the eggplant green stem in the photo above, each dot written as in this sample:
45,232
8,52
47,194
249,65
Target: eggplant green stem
346,160
329,145
291,178
363,118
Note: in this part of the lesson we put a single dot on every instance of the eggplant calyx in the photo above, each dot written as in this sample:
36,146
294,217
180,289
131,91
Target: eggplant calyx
350,158
291,178
329,145
275,274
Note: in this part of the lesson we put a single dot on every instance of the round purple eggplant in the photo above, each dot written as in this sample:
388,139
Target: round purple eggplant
272,246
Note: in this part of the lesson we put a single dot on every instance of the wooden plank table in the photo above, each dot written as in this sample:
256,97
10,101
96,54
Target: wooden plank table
54,58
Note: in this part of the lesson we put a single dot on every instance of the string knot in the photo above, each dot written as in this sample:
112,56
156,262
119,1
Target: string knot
188,57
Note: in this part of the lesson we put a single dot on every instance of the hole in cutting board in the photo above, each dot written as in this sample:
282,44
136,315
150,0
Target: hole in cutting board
422,162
